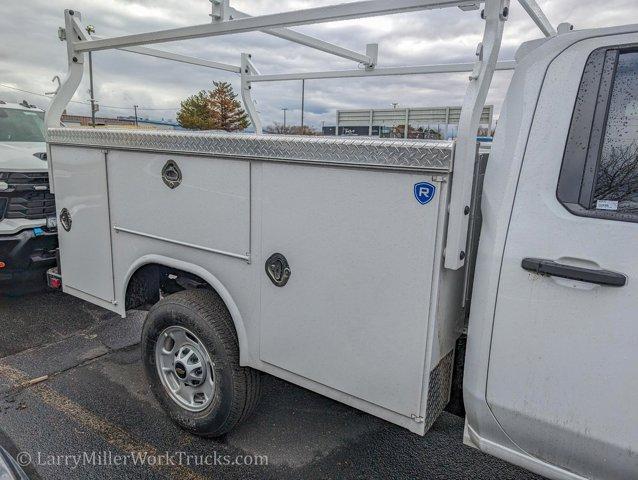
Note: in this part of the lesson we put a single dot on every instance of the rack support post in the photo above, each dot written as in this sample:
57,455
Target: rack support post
495,15
538,16
73,32
247,68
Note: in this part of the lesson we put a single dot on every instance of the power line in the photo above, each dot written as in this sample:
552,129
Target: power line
86,103
35,93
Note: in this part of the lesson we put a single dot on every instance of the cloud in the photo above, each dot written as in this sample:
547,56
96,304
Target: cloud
31,54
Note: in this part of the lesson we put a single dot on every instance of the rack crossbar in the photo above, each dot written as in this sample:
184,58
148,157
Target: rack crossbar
177,57
347,11
378,72
309,41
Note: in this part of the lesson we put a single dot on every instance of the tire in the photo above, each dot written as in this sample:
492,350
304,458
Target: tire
205,321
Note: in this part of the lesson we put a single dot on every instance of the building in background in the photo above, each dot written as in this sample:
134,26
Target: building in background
119,122
85,121
153,124
427,122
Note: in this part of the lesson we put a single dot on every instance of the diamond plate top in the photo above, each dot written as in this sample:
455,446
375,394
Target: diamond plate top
349,151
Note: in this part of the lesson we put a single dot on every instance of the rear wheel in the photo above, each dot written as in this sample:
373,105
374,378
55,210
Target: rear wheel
191,357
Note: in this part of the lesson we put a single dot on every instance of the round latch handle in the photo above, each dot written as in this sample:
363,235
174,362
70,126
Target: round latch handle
278,270
171,174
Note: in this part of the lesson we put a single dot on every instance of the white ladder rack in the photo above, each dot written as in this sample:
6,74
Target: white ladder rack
228,20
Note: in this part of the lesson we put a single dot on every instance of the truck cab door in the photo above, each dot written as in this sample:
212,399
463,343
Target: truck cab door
562,380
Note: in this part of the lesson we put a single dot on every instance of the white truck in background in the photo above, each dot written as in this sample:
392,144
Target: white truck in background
28,234
351,267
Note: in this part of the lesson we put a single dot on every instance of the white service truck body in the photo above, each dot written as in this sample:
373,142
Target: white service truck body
367,287
329,255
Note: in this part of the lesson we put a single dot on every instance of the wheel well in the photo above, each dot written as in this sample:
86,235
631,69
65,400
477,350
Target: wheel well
154,276
152,280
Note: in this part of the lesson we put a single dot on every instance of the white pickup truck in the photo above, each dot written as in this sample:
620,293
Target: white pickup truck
28,237
345,265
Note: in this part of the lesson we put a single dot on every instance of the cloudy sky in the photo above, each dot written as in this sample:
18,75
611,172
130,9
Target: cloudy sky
30,54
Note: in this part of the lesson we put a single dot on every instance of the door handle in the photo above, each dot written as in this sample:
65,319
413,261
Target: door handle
589,275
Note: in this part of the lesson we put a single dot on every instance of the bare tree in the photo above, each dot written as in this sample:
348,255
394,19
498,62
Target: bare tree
617,176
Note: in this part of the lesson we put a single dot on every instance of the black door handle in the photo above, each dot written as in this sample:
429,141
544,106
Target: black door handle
589,275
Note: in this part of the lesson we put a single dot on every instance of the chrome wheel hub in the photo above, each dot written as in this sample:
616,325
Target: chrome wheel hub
185,368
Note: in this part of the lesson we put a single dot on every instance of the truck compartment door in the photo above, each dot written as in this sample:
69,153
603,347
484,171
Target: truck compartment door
206,206
354,312
82,202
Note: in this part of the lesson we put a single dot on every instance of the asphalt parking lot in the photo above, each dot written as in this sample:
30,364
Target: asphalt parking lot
74,398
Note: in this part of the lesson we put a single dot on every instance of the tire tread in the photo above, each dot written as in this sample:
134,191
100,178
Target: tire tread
246,381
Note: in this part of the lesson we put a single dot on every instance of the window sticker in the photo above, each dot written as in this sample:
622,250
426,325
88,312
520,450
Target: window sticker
607,205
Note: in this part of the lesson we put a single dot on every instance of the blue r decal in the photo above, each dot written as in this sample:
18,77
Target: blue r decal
424,192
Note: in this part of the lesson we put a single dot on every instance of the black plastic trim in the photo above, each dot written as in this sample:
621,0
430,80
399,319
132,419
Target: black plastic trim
578,139
554,269
27,251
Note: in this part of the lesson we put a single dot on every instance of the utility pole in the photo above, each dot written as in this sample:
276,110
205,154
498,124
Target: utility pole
303,100
135,108
91,89
90,29
285,109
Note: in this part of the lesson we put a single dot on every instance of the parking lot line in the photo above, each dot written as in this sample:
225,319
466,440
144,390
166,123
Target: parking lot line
111,433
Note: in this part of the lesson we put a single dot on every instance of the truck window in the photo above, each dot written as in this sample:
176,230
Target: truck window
21,125
599,174
616,187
